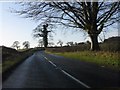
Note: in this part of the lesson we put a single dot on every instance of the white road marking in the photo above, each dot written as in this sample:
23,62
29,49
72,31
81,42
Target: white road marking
75,79
52,63
45,58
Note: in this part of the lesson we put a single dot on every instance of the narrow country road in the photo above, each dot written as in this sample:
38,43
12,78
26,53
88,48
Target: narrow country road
43,70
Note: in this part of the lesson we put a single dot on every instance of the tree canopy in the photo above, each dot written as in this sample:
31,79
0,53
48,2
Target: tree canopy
42,32
26,44
16,44
91,17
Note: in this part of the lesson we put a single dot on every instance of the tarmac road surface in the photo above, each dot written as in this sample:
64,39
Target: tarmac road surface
43,70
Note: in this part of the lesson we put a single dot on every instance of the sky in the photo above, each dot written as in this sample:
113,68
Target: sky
15,28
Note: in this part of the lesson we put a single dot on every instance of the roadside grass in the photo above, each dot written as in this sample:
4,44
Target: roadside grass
102,58
0,68
11,57
12,60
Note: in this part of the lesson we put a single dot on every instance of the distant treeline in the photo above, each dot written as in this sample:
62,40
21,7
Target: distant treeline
110,44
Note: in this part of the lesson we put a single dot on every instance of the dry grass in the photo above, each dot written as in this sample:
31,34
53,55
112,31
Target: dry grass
108,59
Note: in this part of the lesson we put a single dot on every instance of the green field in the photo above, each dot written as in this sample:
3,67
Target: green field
102,58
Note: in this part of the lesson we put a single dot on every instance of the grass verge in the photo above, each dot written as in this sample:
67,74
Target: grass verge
107,59
12,59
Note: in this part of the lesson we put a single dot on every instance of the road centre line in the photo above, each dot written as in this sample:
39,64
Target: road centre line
49,61
78,81
45,58
75,79
52,63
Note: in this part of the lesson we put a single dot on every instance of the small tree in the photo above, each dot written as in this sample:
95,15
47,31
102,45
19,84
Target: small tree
70,43
26,44
60,42
51,44
75,43
40,43
67,44
16,45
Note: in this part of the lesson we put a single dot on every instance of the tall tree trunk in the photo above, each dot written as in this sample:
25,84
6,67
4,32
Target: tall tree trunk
45,32
94,42
45,41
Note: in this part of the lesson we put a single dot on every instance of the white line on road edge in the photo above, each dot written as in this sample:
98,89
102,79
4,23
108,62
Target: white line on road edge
78,81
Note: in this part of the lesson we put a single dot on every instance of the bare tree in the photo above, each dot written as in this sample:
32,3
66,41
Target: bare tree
51,44
70,44
40,43
16,45
60,42
67,44
75,43
42,32
90,17
26,44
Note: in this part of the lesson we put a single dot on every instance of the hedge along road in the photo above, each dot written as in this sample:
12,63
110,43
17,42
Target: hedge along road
43,70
